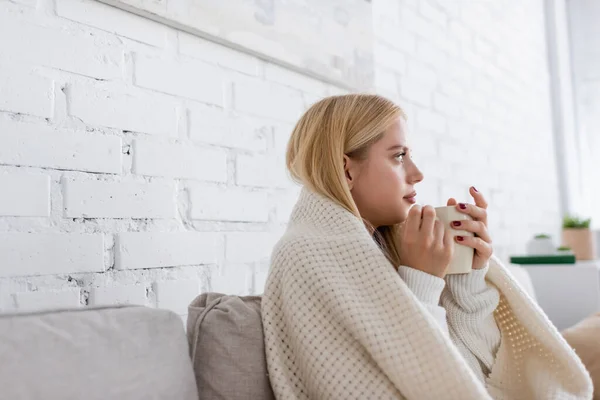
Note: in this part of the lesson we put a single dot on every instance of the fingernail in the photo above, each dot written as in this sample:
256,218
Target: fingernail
456,223
475,189
460,238
462,206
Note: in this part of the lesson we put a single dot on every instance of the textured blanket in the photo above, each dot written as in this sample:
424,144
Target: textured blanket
340,323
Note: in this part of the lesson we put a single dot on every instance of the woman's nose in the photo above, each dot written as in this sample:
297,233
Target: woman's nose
415,175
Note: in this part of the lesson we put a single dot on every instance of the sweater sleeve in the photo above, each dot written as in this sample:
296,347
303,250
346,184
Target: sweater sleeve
470,303
428,289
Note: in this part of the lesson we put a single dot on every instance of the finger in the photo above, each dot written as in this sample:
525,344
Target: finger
477,213
484,249
438,233
480,201
476,227
428,220
452,201
413,222
448,240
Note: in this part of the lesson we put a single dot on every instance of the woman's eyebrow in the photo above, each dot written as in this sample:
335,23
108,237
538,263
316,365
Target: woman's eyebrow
398,146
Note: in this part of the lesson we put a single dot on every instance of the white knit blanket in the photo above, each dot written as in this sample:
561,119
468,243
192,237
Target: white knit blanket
340,323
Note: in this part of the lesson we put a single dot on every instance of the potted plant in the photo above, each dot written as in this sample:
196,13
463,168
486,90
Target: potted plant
578,236
541,244
564,250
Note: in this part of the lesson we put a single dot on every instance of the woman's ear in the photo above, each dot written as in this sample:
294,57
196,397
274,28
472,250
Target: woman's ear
349,171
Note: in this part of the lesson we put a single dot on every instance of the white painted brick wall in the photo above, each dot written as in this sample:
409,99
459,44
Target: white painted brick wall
50,45
179,161
216,127
138,250
149,163
38,145
232,204
176,295
25,254
47,300
126,109
118,294
95,199
26,93
186,78
24,195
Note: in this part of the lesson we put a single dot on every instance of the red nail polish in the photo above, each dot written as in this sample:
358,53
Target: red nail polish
460,238
463,206
456,223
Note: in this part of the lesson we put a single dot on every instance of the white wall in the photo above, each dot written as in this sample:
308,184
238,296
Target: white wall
473,76
585,43
143,165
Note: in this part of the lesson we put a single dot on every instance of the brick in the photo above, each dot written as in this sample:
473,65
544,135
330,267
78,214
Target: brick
415,92
37,145
247,247
416,24
223,56
48,299
425,75
260,280
129,110
430,121
284,203
386,82
98,56
138,250
98,199
185,78
286,77
25,195
433,14
424,144
113,20
269,100
232,279
25,254
431,54
389,58
229,204
218,128
179,161
176,295
120,294
26,93
445,105
461,33
260,170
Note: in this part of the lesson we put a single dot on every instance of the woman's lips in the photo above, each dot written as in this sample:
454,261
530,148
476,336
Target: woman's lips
411,198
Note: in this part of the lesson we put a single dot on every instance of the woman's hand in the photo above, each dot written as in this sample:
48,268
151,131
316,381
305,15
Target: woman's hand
482,243
423,242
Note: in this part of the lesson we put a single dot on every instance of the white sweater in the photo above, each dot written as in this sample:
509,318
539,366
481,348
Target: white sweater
463,305
340,323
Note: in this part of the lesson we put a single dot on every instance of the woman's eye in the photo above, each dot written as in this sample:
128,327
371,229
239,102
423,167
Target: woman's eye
401,156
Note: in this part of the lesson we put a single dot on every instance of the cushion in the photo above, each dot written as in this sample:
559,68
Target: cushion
95,354
227,347
584,337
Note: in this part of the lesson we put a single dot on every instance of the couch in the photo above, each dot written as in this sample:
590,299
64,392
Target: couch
134,352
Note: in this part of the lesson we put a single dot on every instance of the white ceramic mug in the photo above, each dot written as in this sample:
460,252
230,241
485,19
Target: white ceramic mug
462,259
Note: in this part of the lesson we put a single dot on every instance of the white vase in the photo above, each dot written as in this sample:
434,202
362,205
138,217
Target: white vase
540,246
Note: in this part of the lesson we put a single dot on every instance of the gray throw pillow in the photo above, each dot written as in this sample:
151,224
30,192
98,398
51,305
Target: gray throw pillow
227,347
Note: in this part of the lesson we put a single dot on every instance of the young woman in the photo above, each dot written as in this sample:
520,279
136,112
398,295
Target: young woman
357,303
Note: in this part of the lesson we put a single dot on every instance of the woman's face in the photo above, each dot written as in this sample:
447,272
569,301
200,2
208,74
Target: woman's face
383,184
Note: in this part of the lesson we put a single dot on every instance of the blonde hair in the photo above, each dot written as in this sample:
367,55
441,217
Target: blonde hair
328,130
